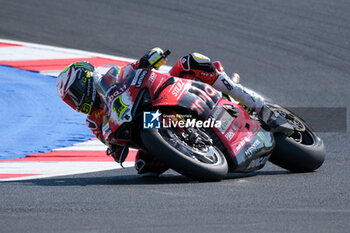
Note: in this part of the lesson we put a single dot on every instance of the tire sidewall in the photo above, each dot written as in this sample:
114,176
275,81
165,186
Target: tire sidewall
297,157
180,162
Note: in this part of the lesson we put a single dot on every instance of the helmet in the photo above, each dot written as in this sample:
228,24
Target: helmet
76,87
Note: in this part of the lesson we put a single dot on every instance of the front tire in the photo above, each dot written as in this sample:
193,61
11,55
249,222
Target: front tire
208,164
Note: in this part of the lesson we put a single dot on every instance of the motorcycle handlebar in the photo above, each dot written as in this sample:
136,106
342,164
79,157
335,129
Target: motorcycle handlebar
167,53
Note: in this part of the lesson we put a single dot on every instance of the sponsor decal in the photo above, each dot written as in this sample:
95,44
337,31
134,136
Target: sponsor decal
206,74
196,106
226,120
241,144
137,74
86,108
119,107
209,90
263,138
97,115
177,88
203,98
117,92
217,112
227,85
252,149
140,78
245,140
229,135
151,79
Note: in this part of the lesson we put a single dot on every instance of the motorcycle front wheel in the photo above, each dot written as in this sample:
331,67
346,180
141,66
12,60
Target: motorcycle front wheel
191,154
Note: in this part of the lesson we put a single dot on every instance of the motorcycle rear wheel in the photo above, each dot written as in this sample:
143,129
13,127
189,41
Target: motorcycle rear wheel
303,151
205,163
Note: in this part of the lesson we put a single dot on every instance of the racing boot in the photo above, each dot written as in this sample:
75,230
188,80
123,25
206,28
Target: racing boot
195,66
148,165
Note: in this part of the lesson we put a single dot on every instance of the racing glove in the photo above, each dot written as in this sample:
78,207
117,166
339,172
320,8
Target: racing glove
153,59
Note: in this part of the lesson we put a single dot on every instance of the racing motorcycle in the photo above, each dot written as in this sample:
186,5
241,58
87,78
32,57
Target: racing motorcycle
198,131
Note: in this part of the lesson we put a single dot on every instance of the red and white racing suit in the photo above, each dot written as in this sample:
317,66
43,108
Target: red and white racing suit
194,66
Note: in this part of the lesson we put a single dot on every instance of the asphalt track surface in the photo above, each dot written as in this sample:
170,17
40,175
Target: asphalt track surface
295,52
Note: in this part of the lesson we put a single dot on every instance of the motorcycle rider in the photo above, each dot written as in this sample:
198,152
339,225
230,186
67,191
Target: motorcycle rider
76,87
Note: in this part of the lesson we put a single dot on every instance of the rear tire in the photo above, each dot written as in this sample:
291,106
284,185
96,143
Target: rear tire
174,155
303,151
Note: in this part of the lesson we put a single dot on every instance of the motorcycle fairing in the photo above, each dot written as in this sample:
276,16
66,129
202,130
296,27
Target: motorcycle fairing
255,153
243,138
248,145
238,133
196,96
